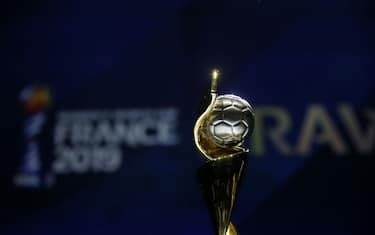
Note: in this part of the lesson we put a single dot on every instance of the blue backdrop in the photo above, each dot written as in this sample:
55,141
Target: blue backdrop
291,59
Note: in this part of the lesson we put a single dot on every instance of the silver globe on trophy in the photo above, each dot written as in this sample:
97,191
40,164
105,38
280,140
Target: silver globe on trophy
220,134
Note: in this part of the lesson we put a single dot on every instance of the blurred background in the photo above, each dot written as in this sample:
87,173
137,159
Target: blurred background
99,99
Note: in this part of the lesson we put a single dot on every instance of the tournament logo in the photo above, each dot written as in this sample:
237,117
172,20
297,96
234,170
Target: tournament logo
35,101
83,141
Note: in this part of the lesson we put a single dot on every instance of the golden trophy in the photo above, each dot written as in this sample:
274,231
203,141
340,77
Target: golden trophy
219,134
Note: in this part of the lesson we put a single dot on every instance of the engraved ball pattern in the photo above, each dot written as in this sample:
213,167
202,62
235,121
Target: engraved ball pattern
231,120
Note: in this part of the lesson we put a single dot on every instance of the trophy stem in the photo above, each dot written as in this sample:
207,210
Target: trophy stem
219,181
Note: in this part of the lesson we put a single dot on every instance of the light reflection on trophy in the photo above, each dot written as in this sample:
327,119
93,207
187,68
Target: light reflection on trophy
219,134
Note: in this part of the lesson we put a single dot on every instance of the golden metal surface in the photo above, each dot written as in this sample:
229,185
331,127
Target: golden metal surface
214,80
205,144
231,230
220,176
219,182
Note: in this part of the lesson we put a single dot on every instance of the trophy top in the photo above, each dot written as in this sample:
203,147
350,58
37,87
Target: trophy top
222,129
214,80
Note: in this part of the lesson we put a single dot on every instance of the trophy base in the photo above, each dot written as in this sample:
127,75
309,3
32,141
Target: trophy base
219,181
